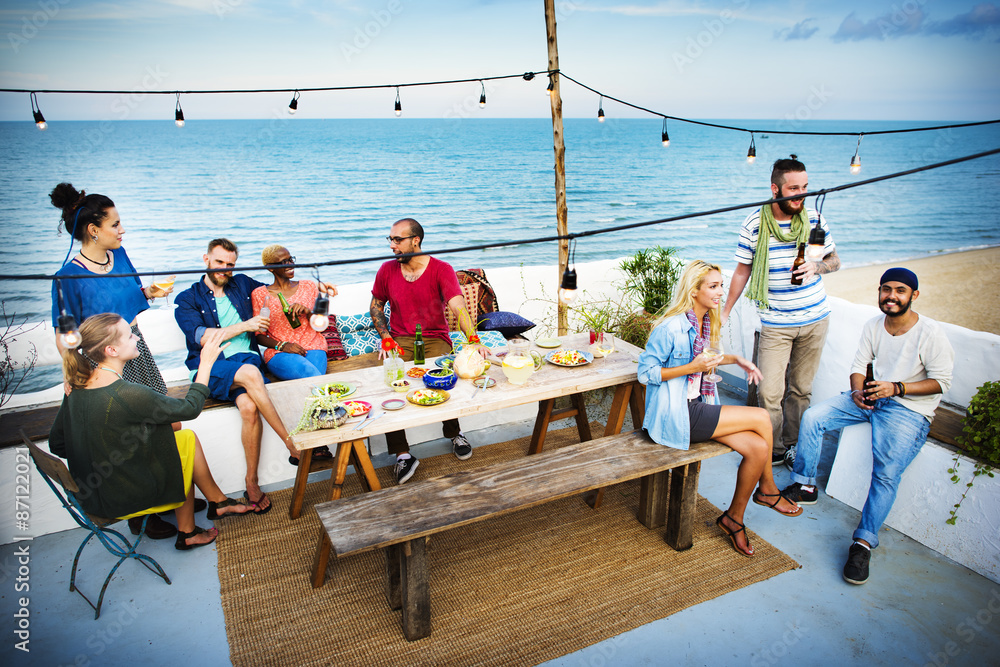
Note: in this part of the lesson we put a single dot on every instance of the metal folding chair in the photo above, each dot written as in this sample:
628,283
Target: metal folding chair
53,468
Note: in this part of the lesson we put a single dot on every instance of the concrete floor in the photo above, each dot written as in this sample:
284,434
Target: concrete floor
917,608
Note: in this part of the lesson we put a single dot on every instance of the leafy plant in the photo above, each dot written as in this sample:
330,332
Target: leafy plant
12,371
320,412
650,276
980,437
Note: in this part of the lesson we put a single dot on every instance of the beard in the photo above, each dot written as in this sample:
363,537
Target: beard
791,206
218,279
883,305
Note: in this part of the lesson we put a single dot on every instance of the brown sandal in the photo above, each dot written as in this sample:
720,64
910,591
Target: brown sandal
759,495
731,534
213,508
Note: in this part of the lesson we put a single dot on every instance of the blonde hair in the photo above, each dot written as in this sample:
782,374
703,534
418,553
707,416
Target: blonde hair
689,283
96,332
269,255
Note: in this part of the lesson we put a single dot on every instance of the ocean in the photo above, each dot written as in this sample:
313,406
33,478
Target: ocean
330,189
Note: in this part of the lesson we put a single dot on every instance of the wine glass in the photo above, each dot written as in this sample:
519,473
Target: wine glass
605,343
714,348
164,283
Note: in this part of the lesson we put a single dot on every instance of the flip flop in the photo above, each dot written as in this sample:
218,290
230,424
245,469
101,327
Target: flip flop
257,504
213,508
319,454
758,497
731,534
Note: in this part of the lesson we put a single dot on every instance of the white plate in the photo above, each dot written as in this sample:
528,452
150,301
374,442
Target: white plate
548,342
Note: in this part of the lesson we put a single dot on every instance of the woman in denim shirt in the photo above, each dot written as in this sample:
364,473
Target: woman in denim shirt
682,407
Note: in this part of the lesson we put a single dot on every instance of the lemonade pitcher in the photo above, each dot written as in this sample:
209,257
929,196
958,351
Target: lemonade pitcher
520,362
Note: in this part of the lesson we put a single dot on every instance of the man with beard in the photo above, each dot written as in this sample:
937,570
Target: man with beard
913,366
221,300
793,317
417,289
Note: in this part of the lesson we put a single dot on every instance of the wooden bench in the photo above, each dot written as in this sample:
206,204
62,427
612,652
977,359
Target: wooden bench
399,519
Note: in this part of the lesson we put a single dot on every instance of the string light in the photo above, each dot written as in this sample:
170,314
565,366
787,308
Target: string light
665,136
600,110
550,87
178,113
69,335
36,111
567,288
293,106
482,97
399,105
752,153
856,160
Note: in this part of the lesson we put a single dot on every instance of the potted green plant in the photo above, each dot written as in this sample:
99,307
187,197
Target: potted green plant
650,277
322,411
980,438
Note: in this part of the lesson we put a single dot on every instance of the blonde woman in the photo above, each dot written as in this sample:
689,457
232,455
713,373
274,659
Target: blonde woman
682,406
118,440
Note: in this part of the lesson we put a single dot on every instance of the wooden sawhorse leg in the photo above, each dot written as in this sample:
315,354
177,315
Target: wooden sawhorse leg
547,416
355,452
407,586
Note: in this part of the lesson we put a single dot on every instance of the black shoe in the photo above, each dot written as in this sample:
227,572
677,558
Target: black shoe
800,496
405,469
856,569
156,528
199,505
461,447
789,458
777,458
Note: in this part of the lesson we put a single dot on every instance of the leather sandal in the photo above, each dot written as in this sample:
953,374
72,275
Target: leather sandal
319,454
182,538
758,497
213,508
731,534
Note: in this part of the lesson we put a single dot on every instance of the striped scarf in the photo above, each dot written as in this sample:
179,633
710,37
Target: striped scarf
700,341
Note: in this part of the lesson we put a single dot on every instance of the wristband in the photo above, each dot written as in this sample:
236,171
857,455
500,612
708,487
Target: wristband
900,389
280,345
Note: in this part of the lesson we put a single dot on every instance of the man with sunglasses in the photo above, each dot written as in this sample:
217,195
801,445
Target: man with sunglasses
417,288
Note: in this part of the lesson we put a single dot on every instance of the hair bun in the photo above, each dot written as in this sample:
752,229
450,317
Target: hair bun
794,156
65,196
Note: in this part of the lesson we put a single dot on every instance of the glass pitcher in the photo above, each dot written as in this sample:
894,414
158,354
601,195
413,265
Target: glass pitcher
520,362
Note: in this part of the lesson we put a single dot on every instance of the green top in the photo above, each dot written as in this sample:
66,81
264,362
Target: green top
120,446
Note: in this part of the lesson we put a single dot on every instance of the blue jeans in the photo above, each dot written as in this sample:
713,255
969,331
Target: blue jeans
288,366
898,433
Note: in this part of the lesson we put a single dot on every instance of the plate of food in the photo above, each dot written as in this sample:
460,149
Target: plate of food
445,362
416,372
338,389
569,358
427,397
548,342
358,408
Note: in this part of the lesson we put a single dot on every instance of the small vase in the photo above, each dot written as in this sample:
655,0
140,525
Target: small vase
392,368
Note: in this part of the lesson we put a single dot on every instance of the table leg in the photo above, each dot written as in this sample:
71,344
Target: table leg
415,589
344,450
653,499
541,426
680,510
301,479
393,591
637,404
363,466
582,423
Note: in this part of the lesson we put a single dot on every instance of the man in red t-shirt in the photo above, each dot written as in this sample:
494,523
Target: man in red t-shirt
417,288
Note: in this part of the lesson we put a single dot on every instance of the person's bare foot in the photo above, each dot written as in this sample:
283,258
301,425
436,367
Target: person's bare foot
199,537
737,534
228,506
776,501
258,498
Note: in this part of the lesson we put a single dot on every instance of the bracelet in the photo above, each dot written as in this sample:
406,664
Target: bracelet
280,345
900,389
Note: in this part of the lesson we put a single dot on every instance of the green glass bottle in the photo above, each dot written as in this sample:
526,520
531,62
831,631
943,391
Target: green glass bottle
418,348
293,320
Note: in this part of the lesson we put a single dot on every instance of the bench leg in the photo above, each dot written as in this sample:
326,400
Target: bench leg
680,511
416,593
393,591
653,499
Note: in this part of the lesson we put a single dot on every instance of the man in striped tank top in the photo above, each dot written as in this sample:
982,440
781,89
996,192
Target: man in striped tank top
794,318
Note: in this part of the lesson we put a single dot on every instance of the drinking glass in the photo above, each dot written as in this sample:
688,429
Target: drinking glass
714,348
164,283
605,343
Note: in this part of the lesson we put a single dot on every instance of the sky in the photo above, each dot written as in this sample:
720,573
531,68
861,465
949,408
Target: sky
716,59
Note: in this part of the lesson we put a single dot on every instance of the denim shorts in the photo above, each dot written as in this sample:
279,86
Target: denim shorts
704,417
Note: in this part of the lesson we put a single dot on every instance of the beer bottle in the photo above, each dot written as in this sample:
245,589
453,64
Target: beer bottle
418,348
799,261
293,320
869,377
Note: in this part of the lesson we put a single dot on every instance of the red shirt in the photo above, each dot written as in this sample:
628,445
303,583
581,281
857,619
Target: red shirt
421,302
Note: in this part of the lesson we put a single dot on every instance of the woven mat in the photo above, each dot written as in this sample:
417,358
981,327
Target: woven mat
518,589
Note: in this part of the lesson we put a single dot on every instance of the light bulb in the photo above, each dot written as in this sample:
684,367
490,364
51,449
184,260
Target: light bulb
550,87
567,288
751,156
320,319
40,120
666,139
293,106
567,296
482,101
855,164
69,335
600,115
179,117
319,322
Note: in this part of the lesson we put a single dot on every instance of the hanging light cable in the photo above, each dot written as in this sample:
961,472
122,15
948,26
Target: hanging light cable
567,288
856,160
178,113
665,136
482,96
293,106
320,319
399,105
69,335
36,111
600,110
752,153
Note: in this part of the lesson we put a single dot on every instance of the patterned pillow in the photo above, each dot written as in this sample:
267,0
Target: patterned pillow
508,324
360,342
334,346
352,323
487,338
471,294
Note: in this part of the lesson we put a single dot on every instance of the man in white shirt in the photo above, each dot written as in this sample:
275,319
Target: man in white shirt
912,362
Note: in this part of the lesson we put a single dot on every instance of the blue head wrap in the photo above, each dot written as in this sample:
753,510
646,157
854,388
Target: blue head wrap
900,275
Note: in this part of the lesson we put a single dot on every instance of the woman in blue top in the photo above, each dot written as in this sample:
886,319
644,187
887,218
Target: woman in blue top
94,221
682,406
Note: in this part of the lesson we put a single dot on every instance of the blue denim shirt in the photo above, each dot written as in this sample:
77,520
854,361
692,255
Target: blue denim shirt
670,344
196,312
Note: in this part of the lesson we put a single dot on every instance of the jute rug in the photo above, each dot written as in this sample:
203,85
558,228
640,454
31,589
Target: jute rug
515,590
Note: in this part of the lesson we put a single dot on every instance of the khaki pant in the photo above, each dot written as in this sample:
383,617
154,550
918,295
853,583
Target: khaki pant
433,347
788,358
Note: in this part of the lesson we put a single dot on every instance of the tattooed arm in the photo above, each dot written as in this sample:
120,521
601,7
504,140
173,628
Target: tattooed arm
828,264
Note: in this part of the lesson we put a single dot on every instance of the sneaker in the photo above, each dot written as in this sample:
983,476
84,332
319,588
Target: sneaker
461,447
800,496
789,458
777,458
405,468
856,569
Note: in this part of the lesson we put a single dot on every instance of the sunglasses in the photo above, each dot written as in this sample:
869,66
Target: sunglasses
289,260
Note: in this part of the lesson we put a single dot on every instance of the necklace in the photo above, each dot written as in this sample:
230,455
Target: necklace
111,370
106,262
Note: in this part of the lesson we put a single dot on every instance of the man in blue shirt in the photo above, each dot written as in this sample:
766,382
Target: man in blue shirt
221,300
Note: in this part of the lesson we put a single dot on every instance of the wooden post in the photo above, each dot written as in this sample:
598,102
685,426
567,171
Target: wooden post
415,590
560,155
